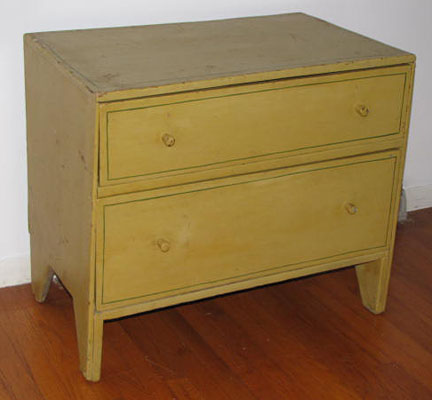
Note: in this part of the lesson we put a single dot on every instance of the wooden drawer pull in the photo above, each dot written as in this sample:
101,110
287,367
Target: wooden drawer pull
351,208
362,110
168,140
163,245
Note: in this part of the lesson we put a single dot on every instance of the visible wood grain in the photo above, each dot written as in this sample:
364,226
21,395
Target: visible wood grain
308,338
236,247
130,308
118,59
257,120
264,163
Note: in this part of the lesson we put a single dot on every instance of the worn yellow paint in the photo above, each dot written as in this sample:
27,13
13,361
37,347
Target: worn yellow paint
258,225
131,62
275,161
155,183
256,120
125,308
62,120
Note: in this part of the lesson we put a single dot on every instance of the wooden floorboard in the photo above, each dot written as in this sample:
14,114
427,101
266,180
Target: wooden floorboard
308,338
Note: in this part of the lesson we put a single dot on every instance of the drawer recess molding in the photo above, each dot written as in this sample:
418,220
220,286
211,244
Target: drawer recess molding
176,133
163,244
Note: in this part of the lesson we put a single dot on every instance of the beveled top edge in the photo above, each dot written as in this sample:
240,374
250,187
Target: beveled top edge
125,62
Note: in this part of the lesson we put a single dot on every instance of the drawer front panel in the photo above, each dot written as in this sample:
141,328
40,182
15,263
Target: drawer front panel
203,131
201,238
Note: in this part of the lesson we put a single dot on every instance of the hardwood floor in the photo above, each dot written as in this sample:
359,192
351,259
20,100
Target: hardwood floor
304,339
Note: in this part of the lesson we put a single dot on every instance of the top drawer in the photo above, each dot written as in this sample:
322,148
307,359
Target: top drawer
177,133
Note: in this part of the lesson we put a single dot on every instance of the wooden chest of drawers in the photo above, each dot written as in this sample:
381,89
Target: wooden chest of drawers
170,163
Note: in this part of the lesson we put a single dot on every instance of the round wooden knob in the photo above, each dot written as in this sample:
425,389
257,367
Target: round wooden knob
362,110
168,140
351,208
163,245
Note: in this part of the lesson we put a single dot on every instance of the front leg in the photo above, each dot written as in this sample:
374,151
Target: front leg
373,279
89,328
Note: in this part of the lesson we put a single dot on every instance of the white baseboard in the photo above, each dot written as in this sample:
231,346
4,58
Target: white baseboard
14,270
418,197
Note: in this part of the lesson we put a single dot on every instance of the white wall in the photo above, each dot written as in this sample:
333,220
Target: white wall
402,23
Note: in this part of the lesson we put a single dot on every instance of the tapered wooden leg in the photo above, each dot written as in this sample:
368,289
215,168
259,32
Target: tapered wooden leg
89,326
373,279
41,278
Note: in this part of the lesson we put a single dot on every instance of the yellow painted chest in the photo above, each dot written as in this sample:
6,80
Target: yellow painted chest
175,162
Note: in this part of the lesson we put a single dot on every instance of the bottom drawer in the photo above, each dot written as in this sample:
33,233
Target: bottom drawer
204,235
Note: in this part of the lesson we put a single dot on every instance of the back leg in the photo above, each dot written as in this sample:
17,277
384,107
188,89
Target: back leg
41,278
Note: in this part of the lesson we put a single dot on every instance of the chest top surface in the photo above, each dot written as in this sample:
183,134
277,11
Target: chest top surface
117,59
